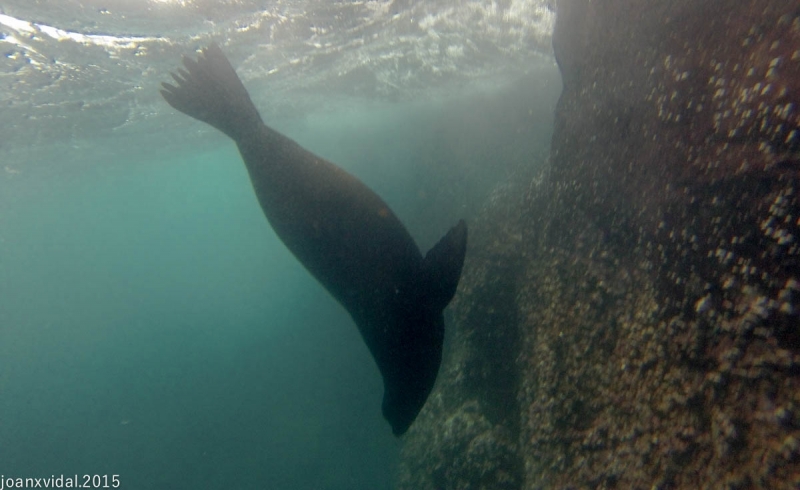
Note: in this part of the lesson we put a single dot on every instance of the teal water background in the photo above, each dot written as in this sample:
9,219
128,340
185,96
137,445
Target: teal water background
153,326
158,330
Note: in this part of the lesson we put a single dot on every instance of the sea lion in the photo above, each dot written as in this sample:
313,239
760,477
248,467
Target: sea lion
342,232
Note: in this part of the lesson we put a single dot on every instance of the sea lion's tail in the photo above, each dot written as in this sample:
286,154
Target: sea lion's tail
209,90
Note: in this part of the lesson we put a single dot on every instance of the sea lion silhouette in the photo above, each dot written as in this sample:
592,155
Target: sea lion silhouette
342,232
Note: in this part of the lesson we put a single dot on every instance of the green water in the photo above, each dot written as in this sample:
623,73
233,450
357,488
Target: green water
154,327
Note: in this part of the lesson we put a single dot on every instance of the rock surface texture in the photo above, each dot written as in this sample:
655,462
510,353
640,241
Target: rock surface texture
631,317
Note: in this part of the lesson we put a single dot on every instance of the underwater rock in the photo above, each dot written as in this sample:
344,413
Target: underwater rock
661,98
647,291
470,453
670,344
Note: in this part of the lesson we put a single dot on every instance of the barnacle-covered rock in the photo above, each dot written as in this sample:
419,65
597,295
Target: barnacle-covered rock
644,298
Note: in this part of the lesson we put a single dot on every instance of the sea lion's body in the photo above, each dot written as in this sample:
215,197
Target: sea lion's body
343,233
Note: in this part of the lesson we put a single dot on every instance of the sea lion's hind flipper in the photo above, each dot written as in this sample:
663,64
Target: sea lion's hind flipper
442,266
210,91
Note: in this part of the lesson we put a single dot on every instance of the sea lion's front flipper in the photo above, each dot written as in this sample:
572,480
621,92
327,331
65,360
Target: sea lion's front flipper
409,354
442,266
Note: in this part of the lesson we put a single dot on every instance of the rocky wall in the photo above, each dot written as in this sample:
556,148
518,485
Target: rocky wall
631,318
